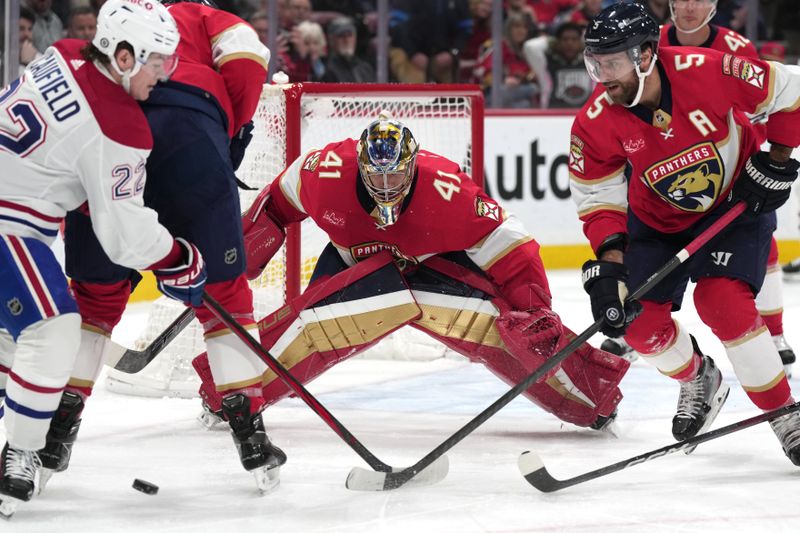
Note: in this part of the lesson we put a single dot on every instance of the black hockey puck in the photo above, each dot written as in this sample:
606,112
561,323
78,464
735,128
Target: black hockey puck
145,486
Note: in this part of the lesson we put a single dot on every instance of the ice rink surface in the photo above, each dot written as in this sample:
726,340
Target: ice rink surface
401,411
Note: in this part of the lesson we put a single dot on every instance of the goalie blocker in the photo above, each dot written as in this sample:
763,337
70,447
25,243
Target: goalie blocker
346,310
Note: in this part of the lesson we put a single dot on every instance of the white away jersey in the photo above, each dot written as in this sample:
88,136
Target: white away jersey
69,134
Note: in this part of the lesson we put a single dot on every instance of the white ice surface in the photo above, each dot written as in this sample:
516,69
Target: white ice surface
401,411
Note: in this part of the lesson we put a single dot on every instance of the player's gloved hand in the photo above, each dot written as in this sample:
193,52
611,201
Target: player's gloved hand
764,184
185,281
605,283
239,143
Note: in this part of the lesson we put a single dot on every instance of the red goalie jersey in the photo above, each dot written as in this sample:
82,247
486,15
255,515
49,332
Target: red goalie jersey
684,155
444,212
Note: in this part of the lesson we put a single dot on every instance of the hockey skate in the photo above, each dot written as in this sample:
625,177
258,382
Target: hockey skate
786,352
210,419
700,401
607,424
620,348
787,429
791,270
62,434
257,453
18,470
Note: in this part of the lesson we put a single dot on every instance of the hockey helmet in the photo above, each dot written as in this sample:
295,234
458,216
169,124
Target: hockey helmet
387,156
683,4
614,40
147,27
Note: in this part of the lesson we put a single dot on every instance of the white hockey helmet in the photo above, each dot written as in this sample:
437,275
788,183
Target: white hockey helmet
146,26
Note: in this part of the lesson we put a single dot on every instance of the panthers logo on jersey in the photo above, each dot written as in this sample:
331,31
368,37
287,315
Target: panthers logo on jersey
690,180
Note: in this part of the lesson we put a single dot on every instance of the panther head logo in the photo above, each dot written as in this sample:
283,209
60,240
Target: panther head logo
699,185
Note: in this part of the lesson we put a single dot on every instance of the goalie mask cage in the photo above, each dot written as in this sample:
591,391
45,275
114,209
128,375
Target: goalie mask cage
290,121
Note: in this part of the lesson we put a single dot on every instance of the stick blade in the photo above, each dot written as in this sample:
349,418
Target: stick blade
369,480
533,470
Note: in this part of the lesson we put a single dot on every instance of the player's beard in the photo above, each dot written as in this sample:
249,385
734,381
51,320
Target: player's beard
625,90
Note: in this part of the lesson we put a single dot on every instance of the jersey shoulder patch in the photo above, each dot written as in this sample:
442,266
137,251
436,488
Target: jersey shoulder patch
117,114
743,69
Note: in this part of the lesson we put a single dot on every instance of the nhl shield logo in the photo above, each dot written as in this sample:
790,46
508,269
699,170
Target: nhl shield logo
15,306
230,256
690,180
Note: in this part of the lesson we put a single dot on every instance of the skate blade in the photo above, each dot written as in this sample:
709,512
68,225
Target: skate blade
716,406
44,478
787,369
210,421
8,506
267,479
612,429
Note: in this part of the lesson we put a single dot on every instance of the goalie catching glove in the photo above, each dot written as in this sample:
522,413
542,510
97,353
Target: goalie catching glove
185,281
764,184
605,283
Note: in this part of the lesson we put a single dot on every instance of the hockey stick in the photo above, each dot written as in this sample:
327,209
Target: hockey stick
132,361
361,479
434,474
532,467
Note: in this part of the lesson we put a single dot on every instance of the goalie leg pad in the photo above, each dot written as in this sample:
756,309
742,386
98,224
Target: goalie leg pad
465,319
334,319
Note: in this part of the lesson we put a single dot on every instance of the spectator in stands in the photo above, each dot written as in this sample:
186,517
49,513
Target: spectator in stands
524,9
343,64
518,88
27,51
585,11
558,64
82,23
424,35
547,10
47,28
659,9
259,20
481,12
772,51
314,47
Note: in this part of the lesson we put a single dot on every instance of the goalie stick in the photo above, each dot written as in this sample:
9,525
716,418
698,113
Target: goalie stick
361,479
131,361
535,473
433,474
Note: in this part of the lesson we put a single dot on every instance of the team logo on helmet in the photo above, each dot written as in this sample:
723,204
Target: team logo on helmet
691,180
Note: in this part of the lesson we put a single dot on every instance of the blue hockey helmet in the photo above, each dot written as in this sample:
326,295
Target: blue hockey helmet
387,155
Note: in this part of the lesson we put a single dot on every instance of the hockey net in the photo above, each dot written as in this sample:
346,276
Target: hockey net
290,121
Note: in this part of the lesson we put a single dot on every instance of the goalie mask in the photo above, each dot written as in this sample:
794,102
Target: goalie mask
387,155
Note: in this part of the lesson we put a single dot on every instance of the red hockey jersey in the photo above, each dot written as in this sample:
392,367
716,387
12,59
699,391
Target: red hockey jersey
221,54
723,39
684,155
447,212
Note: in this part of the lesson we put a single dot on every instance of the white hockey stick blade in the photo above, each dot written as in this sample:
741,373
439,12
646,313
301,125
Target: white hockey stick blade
529,462
370,480
113,353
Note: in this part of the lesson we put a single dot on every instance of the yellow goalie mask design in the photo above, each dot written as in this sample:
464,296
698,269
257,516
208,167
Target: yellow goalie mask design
387,156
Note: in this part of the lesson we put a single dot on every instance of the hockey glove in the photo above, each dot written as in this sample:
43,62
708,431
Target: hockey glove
186,281
239,144
605,283
764,184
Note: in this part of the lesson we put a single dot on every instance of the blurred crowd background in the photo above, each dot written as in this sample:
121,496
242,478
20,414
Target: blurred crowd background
429,41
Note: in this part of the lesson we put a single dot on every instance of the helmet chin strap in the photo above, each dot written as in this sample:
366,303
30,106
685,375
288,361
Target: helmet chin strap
642,75
700,27
127,74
